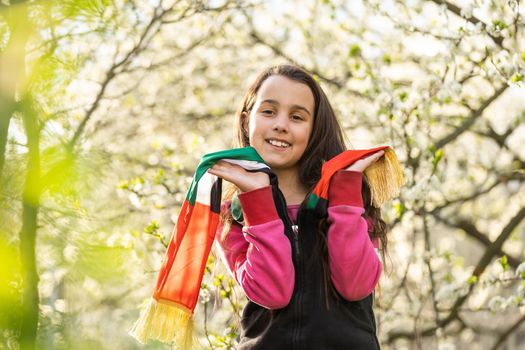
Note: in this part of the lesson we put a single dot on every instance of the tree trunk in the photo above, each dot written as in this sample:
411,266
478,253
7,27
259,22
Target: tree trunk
12,84
28,234
12,70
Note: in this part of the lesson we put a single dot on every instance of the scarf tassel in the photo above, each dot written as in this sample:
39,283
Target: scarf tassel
385,177
166,322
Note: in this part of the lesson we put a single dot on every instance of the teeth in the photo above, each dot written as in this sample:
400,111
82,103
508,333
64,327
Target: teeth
278,143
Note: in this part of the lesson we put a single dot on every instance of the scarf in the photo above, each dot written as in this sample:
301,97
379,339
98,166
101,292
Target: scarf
384,176
168,316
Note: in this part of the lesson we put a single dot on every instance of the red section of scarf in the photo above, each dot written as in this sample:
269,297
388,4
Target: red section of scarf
183,268
339,162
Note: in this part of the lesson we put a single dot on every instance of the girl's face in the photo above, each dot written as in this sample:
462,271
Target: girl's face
280,122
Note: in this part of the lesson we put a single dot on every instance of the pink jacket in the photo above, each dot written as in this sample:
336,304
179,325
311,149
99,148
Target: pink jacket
260,255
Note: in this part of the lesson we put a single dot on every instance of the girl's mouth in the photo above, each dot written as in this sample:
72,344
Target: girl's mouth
278,144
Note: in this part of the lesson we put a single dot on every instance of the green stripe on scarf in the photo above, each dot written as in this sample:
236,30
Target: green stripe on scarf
246,153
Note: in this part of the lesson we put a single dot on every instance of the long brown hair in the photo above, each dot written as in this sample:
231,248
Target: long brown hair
326,141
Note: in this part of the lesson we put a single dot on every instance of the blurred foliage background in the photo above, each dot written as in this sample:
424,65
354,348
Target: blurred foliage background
106,106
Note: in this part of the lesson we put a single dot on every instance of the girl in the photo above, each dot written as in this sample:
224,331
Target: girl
309,280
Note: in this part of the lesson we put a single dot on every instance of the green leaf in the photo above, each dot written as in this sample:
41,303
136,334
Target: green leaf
10,284
88,9
400,209
448,277
354,51
516,78
504,262
447,254
160,176
217,280
499,24
472,280
123,185
152,228
438,155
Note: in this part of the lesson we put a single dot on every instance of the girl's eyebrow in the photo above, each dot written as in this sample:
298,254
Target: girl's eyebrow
293,106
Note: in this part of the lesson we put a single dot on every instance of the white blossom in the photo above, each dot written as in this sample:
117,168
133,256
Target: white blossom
520,270
466,11
517,61
135,200
479,27
204,295
513,4
520,290
497,303
455,87
446,291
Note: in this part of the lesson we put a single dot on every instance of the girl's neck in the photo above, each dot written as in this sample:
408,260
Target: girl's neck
293,190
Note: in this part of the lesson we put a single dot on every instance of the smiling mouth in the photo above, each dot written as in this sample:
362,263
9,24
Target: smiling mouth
280,144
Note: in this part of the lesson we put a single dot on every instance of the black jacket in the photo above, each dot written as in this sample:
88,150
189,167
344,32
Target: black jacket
306,322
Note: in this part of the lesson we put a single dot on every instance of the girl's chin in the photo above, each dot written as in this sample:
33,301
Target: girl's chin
275,160
277,164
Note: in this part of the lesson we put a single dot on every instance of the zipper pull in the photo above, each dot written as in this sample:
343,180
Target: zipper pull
295,230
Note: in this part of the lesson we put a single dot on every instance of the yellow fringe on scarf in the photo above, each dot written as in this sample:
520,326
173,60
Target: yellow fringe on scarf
166,322
385,177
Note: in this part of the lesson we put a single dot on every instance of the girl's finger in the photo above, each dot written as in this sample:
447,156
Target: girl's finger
227,165
226,170
220,166
217,165
377,155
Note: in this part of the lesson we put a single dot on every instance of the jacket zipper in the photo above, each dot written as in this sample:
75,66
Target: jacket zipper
295,230
299,270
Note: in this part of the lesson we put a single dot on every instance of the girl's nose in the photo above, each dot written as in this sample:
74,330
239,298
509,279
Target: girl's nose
281,123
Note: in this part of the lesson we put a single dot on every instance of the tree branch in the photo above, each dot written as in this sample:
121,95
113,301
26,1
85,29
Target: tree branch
503,337
470,120
472,19
113,71
471,230
485,260
339,83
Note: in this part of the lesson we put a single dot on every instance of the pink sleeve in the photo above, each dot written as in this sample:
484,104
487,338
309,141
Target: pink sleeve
354,264
259,254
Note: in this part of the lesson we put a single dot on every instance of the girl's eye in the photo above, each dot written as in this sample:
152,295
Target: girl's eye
297,117
267,111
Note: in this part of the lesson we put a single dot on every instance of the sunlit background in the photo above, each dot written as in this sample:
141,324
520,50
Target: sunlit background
107,106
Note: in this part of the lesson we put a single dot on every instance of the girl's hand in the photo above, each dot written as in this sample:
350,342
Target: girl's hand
237,175
362,164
